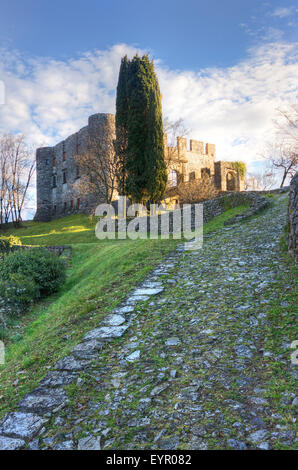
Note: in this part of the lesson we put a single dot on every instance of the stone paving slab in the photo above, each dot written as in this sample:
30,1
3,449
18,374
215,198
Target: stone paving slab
58,379
22,425
8,443
106,332
43,401
71,363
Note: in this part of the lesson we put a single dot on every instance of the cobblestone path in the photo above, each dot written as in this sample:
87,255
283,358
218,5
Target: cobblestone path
190,372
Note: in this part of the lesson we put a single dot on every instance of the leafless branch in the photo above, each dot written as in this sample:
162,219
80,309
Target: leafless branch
16,171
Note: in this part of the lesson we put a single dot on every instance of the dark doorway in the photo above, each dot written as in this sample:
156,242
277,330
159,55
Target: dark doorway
231,181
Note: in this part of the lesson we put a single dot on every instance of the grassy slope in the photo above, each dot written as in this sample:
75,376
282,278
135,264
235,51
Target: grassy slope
80,229
282,380
68,230
99,276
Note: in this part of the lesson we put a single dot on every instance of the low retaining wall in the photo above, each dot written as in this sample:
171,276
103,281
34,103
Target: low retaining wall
211,208
257,203
217,206
284,189
293,218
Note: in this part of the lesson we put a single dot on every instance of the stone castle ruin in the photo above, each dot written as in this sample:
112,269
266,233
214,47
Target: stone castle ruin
57,172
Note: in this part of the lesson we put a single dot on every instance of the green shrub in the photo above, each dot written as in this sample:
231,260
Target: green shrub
17,294
44,267
6,243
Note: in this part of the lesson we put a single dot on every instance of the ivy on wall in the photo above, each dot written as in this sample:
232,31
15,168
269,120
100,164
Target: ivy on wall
240,167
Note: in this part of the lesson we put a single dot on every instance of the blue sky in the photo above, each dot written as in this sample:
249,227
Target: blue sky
184,34
223,66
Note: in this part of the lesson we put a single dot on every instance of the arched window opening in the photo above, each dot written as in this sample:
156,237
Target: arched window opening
173,178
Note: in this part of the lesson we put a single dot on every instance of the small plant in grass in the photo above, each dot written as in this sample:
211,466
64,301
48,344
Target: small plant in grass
6,243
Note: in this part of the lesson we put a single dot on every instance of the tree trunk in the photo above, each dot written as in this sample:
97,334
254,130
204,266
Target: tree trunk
283,178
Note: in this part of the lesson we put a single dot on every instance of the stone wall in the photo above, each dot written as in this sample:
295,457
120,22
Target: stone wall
284,189
212,208
293,218
255,202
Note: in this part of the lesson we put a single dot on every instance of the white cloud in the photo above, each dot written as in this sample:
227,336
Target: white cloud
232,107
48,99
282,12
2,93
271,34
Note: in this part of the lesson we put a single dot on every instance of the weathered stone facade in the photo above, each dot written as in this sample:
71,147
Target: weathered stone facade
293,218
57,172
197,161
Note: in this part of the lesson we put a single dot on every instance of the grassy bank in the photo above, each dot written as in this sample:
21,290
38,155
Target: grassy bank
281,332
80,229
68,230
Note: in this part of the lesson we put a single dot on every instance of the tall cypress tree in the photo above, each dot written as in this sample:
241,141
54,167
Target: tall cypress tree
138,93
121,123
154,153
145,169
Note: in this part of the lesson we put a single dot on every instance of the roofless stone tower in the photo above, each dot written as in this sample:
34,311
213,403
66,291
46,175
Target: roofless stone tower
57,171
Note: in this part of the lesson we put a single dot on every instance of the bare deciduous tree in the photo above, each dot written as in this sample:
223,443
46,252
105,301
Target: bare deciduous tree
16,170
286,123
283,157
189,192
173,129
283,152
198,190
98,168
260,181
